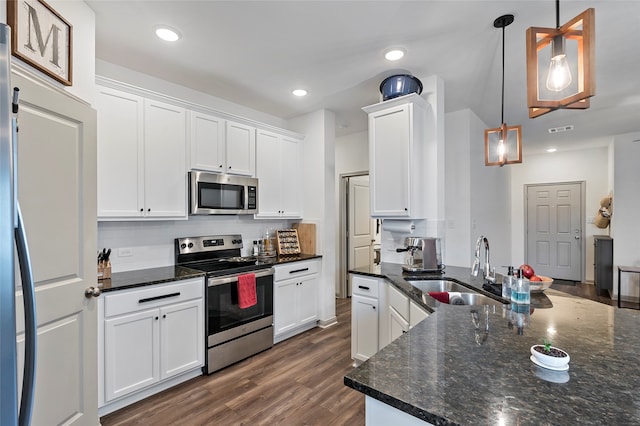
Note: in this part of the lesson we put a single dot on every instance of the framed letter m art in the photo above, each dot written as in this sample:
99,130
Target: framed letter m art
41,37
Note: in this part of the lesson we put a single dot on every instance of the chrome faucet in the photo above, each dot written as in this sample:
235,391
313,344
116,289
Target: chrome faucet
489,273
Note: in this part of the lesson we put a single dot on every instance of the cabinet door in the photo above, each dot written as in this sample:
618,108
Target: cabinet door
120,153
389,138
291,177
397,324
241,149
285,315
308,300
131,359
181,338
165,160
364,327
268,173
207,142
416,314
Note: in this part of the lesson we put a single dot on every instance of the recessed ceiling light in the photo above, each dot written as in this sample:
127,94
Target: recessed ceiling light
552,149
394,54
300,92
167,33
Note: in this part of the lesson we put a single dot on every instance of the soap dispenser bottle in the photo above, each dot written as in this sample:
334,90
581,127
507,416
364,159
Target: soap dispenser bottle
520,293
507,283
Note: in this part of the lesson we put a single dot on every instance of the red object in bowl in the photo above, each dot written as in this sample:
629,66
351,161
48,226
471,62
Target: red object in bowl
440,296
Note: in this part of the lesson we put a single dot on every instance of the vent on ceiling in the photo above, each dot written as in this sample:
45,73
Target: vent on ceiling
561,129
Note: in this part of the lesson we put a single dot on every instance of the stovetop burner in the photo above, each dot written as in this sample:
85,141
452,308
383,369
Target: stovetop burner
216,255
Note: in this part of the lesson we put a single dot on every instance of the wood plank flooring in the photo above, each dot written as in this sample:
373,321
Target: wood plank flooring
297,382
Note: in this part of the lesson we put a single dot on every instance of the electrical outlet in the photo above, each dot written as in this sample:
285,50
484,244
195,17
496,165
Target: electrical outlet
125,252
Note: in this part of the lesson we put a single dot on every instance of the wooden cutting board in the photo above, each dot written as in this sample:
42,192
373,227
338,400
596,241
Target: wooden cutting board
307,237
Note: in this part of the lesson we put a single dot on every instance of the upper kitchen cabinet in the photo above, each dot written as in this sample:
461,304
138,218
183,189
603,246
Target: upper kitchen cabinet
221,146
141,157
279,175
397,160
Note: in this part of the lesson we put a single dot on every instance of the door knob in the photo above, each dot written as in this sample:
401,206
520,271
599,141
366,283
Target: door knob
90,292
577,237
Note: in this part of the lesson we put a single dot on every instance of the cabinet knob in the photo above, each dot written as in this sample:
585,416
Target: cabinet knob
406,209
229,167
148,210
141,210
374,308
90,292
156,318
164,316
220,166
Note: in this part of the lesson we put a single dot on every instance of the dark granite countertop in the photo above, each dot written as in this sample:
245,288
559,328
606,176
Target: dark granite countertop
151,276
144,277
470,365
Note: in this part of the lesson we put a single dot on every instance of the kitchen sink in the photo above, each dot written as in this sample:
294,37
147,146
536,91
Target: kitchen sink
427,286
476,299
469,296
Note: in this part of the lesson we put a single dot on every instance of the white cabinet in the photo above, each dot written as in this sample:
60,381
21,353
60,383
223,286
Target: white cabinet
364,317
380,313
295,307
397,157
221,146
279,173
141,157
149,336
416,314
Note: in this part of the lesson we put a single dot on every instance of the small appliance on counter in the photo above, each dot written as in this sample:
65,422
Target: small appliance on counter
423,254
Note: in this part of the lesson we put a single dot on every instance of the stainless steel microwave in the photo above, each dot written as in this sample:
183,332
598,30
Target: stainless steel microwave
212,193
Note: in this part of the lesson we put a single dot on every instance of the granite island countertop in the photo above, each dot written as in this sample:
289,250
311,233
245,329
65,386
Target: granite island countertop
470,364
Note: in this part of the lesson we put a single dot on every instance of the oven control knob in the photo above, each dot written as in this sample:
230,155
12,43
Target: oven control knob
183,246
190,245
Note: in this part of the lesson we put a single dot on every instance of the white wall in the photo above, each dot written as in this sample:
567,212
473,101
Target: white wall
589,165
82,18
457,241
625,229
320,198
352,153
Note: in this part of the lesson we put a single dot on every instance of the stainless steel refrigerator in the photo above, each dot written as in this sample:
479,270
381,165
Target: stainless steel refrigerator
14,408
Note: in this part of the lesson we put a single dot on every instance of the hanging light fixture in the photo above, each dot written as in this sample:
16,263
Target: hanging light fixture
503,145
561,64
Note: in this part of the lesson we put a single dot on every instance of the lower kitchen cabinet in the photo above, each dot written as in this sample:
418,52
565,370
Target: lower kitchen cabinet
365,327
149,337
295,298
380,313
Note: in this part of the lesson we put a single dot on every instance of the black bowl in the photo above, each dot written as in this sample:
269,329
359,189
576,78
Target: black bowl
399,85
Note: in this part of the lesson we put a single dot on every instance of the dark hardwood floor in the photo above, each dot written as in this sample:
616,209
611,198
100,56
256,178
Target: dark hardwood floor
297,382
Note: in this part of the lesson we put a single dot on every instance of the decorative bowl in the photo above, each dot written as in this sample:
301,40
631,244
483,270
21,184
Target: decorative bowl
553,362
399,85
540,286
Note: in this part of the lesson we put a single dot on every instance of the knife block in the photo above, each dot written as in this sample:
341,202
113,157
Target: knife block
104,270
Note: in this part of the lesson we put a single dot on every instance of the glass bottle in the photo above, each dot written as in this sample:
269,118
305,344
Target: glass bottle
507,283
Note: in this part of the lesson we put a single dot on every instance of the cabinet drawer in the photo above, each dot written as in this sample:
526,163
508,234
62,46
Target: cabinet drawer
295,269
152,297
364,286
399,301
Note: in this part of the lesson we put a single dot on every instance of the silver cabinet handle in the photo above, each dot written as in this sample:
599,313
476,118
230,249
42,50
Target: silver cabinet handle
90,292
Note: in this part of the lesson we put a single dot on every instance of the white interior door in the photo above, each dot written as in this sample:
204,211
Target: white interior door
554,230
360,230
57,193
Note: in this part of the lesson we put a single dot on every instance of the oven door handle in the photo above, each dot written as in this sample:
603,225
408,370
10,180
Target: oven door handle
233,278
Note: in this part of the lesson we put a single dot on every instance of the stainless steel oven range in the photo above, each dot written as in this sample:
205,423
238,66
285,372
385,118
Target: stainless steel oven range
232,333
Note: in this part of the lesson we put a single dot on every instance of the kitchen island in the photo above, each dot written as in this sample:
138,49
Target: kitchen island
470,364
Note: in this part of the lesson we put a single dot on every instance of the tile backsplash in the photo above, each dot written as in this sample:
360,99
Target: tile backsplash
149,244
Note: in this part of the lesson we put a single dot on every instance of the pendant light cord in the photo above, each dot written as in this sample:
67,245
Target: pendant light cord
557,14
502,112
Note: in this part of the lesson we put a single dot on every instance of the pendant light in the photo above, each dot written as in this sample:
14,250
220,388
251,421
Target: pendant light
503,145
561,64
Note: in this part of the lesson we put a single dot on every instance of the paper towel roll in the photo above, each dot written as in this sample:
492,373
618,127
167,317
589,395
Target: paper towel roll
403,226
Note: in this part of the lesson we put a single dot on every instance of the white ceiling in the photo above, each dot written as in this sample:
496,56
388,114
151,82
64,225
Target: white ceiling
255,52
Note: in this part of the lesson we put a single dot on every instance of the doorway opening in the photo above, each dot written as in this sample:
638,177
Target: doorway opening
359,234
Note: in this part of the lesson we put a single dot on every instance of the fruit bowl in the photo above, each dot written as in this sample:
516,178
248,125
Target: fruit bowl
540,286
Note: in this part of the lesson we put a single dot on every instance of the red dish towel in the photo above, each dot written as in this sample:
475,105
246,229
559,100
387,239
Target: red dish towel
440,296
247,291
